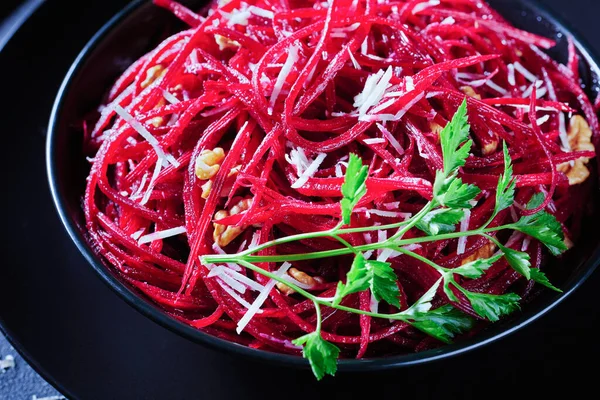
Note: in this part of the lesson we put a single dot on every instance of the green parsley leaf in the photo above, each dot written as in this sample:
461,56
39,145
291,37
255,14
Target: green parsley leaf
423,304
543,227
383,282
357,280
443,323
492,306
518,260
505,193
475,269
455,134
321,354
440,221
452,192
369,274
354,186
449,279
542,279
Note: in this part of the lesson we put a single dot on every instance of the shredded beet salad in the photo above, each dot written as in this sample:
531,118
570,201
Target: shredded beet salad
295,137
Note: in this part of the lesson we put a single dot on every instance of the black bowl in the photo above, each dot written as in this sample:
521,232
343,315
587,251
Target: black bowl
136,30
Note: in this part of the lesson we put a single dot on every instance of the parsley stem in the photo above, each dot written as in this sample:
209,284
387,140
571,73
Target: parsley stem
389,243
317,300
319,318
419,257
414,220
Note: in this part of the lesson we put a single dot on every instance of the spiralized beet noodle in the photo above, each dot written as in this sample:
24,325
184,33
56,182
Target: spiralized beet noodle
247,118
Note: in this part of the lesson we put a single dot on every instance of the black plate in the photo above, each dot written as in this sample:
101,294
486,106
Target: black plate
90,344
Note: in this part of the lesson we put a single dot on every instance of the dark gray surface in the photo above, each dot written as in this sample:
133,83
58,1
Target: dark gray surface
22,383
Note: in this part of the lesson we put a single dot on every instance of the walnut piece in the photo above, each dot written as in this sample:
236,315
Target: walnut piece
469,91
580,139
225,234
301,277
209,162
485,251
153,73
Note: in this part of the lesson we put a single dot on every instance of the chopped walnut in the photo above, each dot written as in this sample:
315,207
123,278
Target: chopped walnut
579,136
206,188
435,128
301,277
225,42
486,251
224,234
154,73
491,146
469,91
209,162
235,170
159,121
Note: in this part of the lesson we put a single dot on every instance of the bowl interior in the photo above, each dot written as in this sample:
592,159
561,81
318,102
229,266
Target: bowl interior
138,29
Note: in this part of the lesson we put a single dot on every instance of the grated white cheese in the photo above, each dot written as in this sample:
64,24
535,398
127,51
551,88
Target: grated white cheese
162,235
253,285
386,254
231,282
353,59
309,171
527,93
542,120
422,6
382,213
525,72
298,158
526,242
512,81
338,170
464,226
364,46
235,295
393,141
410,84
562,132
160,162
254,241
374,304
496,87
283,73
382,106
260,299
374,140
138,190
138,234
392,206
141,129
407,107
170,97
338,35
373,91
236,17
412,247
448,21
261,12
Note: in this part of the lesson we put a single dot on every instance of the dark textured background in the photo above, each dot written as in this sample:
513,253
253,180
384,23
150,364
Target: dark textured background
565,361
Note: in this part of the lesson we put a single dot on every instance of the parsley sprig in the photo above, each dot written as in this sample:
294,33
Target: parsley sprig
437,220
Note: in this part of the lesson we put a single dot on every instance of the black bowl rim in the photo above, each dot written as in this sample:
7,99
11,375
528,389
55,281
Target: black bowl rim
154,313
